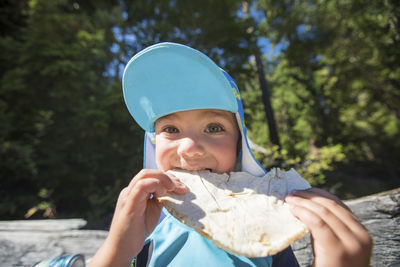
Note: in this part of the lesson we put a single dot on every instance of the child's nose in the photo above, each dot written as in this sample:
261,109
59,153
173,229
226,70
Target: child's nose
190,147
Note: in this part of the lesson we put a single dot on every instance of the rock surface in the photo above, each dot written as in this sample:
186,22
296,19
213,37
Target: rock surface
23,243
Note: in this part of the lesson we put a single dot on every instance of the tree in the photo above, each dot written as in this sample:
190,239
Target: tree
65,130
336,82
67,140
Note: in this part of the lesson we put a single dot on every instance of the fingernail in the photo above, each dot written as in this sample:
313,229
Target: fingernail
289,198
180,184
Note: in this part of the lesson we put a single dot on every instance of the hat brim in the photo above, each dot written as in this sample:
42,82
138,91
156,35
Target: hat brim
167,78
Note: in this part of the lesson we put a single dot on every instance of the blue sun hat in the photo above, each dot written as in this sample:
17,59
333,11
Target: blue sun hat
168,77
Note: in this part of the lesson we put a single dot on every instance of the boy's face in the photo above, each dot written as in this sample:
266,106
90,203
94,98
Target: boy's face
197,139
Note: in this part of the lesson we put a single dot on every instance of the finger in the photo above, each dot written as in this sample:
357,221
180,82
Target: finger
139,195
329,245
148,182
312,192
327,211
146,173
326,199
150,186
171,182
327,221
321,231
180,188
333,204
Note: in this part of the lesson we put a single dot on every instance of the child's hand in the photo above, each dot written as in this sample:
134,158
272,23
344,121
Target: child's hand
338,238
136,215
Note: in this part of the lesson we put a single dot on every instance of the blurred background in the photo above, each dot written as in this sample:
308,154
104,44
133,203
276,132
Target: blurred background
320,81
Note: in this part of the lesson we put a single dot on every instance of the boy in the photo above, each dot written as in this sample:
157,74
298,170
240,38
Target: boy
193,117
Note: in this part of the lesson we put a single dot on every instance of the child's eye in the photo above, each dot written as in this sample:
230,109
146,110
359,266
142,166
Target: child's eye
214,128
171,129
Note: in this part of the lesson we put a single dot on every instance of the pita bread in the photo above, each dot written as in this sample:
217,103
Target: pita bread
240,213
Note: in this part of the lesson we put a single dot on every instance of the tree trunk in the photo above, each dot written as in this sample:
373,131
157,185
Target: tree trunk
273,133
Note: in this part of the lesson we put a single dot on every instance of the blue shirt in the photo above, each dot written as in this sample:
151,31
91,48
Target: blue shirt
175,244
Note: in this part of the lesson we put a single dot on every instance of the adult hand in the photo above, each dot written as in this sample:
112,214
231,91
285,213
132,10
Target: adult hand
338,238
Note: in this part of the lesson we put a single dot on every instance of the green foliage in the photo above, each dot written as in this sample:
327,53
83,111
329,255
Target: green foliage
64,125
67,142
313,167
335,86
46,206
64,128
310,161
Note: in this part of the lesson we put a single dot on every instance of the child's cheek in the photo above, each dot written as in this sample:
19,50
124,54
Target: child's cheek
225,152
164,151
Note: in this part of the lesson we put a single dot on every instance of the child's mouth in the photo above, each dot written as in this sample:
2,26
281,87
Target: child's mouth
195,169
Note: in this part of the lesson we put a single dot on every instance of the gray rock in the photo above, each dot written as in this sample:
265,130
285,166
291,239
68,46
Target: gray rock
23,243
